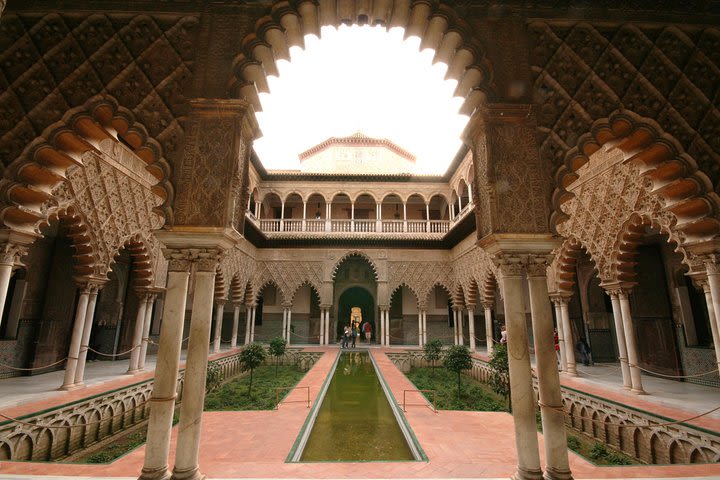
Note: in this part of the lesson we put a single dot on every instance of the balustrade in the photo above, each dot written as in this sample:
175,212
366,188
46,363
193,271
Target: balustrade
416,226
357,226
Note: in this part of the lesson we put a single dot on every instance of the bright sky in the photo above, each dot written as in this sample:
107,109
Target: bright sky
362,79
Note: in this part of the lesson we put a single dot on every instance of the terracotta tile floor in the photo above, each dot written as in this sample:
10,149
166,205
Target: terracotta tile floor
255,445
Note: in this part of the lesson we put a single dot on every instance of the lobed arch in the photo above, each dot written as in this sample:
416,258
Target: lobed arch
436,23
472,292
237,290
562,268
315,289
355,253
142,252
394,289
458,296
266,282
489,287
666,169
438,284
29,183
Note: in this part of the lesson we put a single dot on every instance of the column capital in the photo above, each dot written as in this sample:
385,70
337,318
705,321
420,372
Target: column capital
537,265
11,253
90,284
712,263
618,289
560,298
204,259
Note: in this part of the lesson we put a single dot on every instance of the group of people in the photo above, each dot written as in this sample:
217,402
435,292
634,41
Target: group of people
353,330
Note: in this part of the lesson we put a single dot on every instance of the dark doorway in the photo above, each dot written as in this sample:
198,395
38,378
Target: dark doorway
356,297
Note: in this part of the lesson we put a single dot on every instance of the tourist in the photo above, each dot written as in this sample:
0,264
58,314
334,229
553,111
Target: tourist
346,337
503,334
367,328
355,334
556,339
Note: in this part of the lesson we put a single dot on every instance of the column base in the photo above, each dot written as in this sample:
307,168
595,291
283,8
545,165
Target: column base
72,386
155,474
192,474
638,391
133,372
555,474
523,474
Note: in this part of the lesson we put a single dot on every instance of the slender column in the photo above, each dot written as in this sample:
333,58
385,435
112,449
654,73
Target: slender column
138,334
87,329
420,336
327,326
488,329
252,323
633,359
219,312
424,326
567,330
471,327
470,197
459,203
381,327
289,330
378,217
387,326
461,335
521,388
155,466
452,211
427,217
284,324
257,209
282,216
713,277
248,321
405,225
713,320
551,406
10,255
236,324
321,337
561,334
620,334
304,220
352,216
74,351
455,327
188,440
5,274
146,331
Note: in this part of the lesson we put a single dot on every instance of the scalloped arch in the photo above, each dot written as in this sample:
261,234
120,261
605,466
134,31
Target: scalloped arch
436,23
403,284
355,253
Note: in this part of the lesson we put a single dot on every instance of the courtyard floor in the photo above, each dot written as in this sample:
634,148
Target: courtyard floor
255,444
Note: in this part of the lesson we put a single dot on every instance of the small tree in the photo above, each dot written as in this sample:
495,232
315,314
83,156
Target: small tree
500,372
252,357
277,349
432,351
456,360
213,378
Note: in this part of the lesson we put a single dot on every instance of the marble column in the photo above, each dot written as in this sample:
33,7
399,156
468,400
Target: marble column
236,325
471,327
284,324
620,334
567,330
327,326
188,440
146,330
461,334
420,335
74,351
321,336
631,342
715,330
424,326
85,341
9,257
248,322
138,334
550,398
713,280
455,326
522,395
252,323
162,401
388,340
560,334
488,329
219,312
289,329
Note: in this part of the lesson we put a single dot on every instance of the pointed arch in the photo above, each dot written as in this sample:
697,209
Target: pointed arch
358,254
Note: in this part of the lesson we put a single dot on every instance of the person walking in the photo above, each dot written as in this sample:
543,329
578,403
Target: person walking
367,329
354,333
346,337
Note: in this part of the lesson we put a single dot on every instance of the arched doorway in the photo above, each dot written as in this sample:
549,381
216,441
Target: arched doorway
355,297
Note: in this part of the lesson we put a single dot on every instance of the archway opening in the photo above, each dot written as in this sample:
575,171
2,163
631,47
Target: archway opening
351,299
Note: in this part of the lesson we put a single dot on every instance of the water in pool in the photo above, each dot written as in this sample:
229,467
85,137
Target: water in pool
355,421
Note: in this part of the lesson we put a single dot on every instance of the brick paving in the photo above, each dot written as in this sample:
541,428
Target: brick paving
256,444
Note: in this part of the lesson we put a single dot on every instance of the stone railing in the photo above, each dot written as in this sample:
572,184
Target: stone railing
67,429
643,435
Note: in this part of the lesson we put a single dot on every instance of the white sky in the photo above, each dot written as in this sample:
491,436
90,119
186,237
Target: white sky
360,79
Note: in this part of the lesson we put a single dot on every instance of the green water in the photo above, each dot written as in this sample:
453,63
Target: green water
355,421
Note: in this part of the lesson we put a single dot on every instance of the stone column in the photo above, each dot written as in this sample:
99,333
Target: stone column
471,327
425,336
522,395
138,334
248,321
289,319
620,334
488,329
713,278
252,323
284,324
560,333
321,336
219,312
146,330
155,466
420,335
236,325
9,258
74,351
461,334
712,317
387,326
327,326
87,329
455,326
551,407
188,440
567,330
633,358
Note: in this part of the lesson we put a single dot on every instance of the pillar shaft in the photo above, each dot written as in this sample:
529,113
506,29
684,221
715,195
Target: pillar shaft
387,327
567,330
424,326
713,321
219,312
461,334
488,330
248,321
5,274
87,329
284,324
235,327
188,441
420,335
252,324
471,328
551,407
455,326
321,336
633,357
289,320
138,334
146,331
155,466
521,389
622,345
714,284
74,351
561,335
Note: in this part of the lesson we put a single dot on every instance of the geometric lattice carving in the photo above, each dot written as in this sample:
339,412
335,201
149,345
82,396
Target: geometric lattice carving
420,277
288,276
